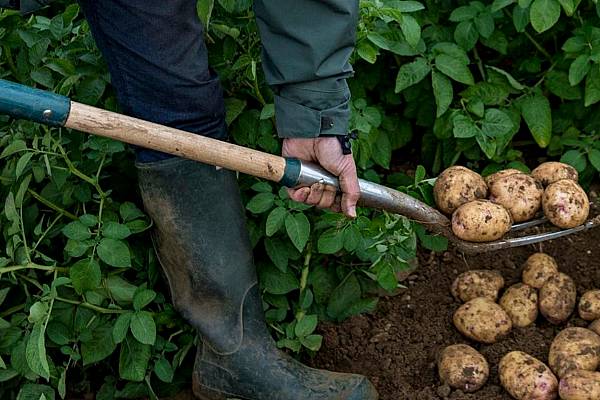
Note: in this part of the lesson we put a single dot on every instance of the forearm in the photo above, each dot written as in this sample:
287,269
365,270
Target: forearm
306,50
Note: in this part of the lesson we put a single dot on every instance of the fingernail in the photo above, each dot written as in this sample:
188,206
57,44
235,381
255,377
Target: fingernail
352,211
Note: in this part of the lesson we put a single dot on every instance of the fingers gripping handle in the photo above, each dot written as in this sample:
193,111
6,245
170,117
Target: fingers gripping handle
23,102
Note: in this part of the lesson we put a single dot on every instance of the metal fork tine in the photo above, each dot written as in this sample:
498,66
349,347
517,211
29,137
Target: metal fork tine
528,224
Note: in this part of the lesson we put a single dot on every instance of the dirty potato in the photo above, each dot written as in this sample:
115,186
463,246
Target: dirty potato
595,326
519,193
565,204
574,349
457,186
557,298
520,301
580,385
490,179
527,378
462,367
589,305
481,221
477,283
538,268
482,320
552,171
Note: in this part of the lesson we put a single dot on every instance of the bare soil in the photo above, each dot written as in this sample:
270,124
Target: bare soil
396,346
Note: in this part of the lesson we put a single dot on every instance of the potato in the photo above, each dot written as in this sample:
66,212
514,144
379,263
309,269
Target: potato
527,378
538,268
462,367
552,171
482,320
557,298
520,302
595,326
519,193
481,221
589,305
457,186
489,180
574,349
565,204
477,283
580,385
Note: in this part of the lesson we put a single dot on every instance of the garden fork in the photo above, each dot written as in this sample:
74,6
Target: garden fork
51,109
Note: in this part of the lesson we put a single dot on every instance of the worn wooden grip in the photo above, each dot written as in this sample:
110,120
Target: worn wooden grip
174,141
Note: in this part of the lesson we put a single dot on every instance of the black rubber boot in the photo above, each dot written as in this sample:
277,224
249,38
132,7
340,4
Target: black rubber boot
204,249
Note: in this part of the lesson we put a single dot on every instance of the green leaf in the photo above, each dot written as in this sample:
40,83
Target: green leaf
3,294
10,210
234,107
38,312
298,229
114,252
579,69
76,231
466,35
121,290
558,83
330,241
592,86
454,69
133,360
464,127
13,147
277,282
386,277
163,370
99,346
142,298
121,327
306,325
62,384
442,90
343,297
412,73
382,150
408,6
275,220
88,220
22,163
36,351
31,391
268,111
496,123
75,248
58,332
498,5
276,252
576,159
488,145
463,13
594,157
544,14
312,342
411,30
115,230
520,18
143,327
568,6
204,9
261,203
537,114
367,52
485,25
85,275
129,212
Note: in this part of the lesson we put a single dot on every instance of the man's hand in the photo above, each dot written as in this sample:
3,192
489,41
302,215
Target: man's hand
327,152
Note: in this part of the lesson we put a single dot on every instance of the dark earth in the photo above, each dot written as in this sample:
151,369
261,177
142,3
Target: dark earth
396,346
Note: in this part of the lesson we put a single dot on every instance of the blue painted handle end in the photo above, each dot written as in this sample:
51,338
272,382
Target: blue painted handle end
36,105
291,173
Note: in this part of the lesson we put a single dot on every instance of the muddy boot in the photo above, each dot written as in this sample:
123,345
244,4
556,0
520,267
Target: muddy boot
204,249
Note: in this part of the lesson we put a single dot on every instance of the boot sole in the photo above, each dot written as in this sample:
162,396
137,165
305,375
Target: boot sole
203,393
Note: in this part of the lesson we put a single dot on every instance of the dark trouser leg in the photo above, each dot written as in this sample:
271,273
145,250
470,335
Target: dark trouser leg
159,68
158,64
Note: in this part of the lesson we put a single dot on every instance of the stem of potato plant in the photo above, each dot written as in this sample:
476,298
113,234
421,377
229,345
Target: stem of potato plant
304,278
48,268
50,306
538,46
51,205
12,310
90,306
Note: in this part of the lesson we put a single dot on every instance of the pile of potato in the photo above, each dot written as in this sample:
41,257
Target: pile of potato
483,210
574,355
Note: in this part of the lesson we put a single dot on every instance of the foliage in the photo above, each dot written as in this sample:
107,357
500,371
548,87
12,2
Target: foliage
82,305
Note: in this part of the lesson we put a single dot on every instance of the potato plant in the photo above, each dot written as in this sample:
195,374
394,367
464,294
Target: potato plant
83,307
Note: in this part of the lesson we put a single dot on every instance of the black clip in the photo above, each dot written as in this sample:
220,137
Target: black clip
345,142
